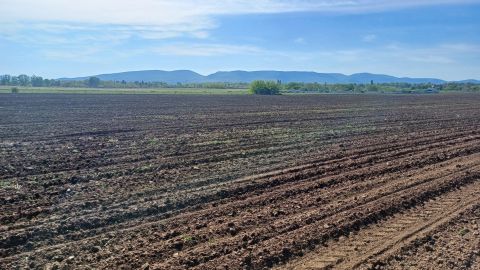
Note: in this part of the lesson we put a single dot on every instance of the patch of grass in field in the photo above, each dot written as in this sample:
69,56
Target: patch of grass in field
187,238
153,141
169,91
463,231
6,184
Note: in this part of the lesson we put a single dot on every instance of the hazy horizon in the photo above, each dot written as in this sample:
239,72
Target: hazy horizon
54,39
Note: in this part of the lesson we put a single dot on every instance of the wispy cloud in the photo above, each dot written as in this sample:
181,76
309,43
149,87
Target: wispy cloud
461,47
369,38
82,55
159,19
206,50
161,12
299,40
436,54
395,59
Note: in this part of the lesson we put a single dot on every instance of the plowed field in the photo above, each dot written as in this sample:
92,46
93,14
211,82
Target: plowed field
239,182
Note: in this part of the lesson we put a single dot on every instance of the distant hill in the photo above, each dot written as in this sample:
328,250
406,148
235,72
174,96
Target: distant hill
171,77
470,81
284,76
187,76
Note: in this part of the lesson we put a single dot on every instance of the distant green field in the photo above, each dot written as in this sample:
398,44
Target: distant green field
180,91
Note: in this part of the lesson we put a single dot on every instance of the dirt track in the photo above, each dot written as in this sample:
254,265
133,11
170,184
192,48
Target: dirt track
299,182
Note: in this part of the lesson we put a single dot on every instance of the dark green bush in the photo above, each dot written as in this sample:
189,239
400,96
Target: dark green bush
264,88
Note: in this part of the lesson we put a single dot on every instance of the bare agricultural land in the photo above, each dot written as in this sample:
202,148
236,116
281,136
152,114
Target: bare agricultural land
239,182
126,91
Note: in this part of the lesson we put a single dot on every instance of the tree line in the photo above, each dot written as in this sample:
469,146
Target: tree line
272,87
258,87
381,87
94,82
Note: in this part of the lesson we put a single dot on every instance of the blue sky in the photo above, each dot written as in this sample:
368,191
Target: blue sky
422,38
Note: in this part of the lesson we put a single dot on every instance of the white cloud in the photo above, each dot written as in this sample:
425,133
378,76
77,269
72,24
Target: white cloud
205,50
447,53
158,19
462,47
369,38
446,61
85,55
299,40
162,12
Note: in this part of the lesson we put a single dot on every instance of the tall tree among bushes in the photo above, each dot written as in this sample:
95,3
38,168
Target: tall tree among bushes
93,82
265,88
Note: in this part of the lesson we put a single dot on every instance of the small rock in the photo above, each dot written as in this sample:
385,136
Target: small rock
58,258
286,252
176,254
200,225
232,231
326,226
95,249
247,260
178,245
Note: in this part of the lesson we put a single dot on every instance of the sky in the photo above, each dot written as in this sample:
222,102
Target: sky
414,38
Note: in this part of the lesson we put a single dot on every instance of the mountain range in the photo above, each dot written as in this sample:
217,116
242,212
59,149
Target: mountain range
239,76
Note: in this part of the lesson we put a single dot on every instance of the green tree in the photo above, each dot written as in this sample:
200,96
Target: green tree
5,79
36,80
23,80
93,82
294,86
264,88
14,80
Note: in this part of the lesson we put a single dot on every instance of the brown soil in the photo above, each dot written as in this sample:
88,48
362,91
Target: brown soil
229,182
